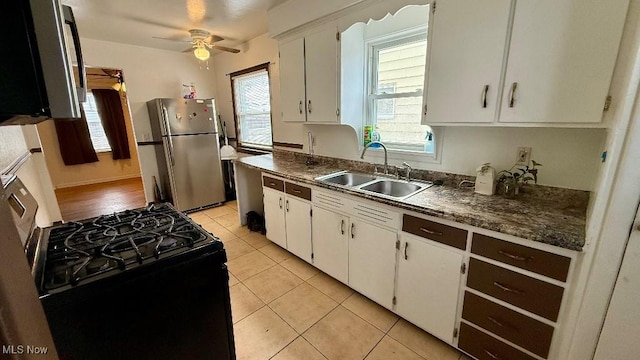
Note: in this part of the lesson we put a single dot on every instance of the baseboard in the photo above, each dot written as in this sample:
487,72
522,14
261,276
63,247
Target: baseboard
97,181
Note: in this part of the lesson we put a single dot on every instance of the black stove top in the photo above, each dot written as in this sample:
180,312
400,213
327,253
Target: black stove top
81,251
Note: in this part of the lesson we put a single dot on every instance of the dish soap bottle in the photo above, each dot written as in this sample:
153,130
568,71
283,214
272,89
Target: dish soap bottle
375,136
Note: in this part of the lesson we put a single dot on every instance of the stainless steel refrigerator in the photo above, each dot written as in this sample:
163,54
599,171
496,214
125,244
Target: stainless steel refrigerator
188,151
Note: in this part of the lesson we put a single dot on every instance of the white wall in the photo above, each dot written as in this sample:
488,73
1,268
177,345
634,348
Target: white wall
149,73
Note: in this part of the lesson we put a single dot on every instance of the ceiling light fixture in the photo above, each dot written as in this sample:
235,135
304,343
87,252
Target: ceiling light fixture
201,53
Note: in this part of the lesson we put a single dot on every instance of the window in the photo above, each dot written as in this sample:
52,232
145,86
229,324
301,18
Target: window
396,85
252,107
98,137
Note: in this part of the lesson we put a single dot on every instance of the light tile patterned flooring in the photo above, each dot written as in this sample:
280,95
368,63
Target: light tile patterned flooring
284,308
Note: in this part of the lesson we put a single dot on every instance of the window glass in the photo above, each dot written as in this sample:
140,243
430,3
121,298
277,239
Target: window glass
98,137
397,85
253,108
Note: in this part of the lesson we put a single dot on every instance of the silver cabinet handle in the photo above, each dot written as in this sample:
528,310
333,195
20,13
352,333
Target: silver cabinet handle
342,227
353,234
484,96
507,289
514,256
492,355
280,203
495,321
287,205
309,106
300,106
406,245
512,94
431,232
425,109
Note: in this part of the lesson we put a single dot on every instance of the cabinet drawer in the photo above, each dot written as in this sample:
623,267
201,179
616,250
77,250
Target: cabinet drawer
273,183
525,292
531,334
297,190
541,262
434,231
485,347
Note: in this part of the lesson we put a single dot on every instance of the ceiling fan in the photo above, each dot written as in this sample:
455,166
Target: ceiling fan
201,41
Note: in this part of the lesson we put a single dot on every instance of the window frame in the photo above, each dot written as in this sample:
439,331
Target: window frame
373,46
251,148
102,150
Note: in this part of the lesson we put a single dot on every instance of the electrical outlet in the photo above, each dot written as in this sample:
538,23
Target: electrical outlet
524,156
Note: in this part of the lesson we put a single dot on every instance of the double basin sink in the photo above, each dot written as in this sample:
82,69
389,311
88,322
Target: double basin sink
375,184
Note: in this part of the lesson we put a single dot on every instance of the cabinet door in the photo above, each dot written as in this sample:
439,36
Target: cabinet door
292,93
331,243
561,60
428,285
372,261
274,216
298,214
466,52
322,73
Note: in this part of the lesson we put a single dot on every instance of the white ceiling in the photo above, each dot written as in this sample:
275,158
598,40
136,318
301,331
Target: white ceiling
137,22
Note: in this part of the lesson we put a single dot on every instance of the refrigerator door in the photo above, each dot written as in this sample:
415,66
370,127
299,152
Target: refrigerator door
195,170
188,116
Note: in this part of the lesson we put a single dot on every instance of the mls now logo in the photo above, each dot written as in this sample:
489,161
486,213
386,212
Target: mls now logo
22,349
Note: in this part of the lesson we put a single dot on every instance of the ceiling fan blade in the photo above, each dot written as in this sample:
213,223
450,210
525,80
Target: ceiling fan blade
151,22
188,50
224,48
215,38
181,39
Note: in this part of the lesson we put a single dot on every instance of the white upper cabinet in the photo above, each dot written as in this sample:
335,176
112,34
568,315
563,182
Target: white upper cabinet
466,53
561,59
321,65
292,87
309,77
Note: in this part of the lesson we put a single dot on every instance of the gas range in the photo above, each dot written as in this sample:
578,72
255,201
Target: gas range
84,251
139,284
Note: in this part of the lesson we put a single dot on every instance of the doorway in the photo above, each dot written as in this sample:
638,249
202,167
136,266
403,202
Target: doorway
619,336
109,180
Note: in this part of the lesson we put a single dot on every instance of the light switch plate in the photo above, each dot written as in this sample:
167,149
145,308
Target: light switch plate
524,156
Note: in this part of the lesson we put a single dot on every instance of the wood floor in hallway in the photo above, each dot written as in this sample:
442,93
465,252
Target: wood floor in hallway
82,202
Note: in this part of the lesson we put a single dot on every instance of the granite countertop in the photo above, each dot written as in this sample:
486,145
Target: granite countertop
546,219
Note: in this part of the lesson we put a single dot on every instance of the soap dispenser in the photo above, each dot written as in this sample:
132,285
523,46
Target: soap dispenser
485,179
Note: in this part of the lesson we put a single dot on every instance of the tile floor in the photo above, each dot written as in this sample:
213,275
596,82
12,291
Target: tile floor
284,308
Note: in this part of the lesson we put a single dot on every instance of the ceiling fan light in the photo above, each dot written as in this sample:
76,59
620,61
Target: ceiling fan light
201,53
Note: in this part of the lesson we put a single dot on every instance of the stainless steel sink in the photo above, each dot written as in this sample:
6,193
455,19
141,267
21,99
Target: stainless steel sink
347,178
394,188
377,184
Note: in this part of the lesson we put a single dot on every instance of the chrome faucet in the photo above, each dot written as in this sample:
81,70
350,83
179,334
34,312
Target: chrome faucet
408,169
386,164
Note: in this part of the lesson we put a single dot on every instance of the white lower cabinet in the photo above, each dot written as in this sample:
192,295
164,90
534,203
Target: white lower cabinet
330,234
429,278
298,227
274,216
372,261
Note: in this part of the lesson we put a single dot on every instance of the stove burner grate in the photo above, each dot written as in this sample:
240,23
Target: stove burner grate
81,250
